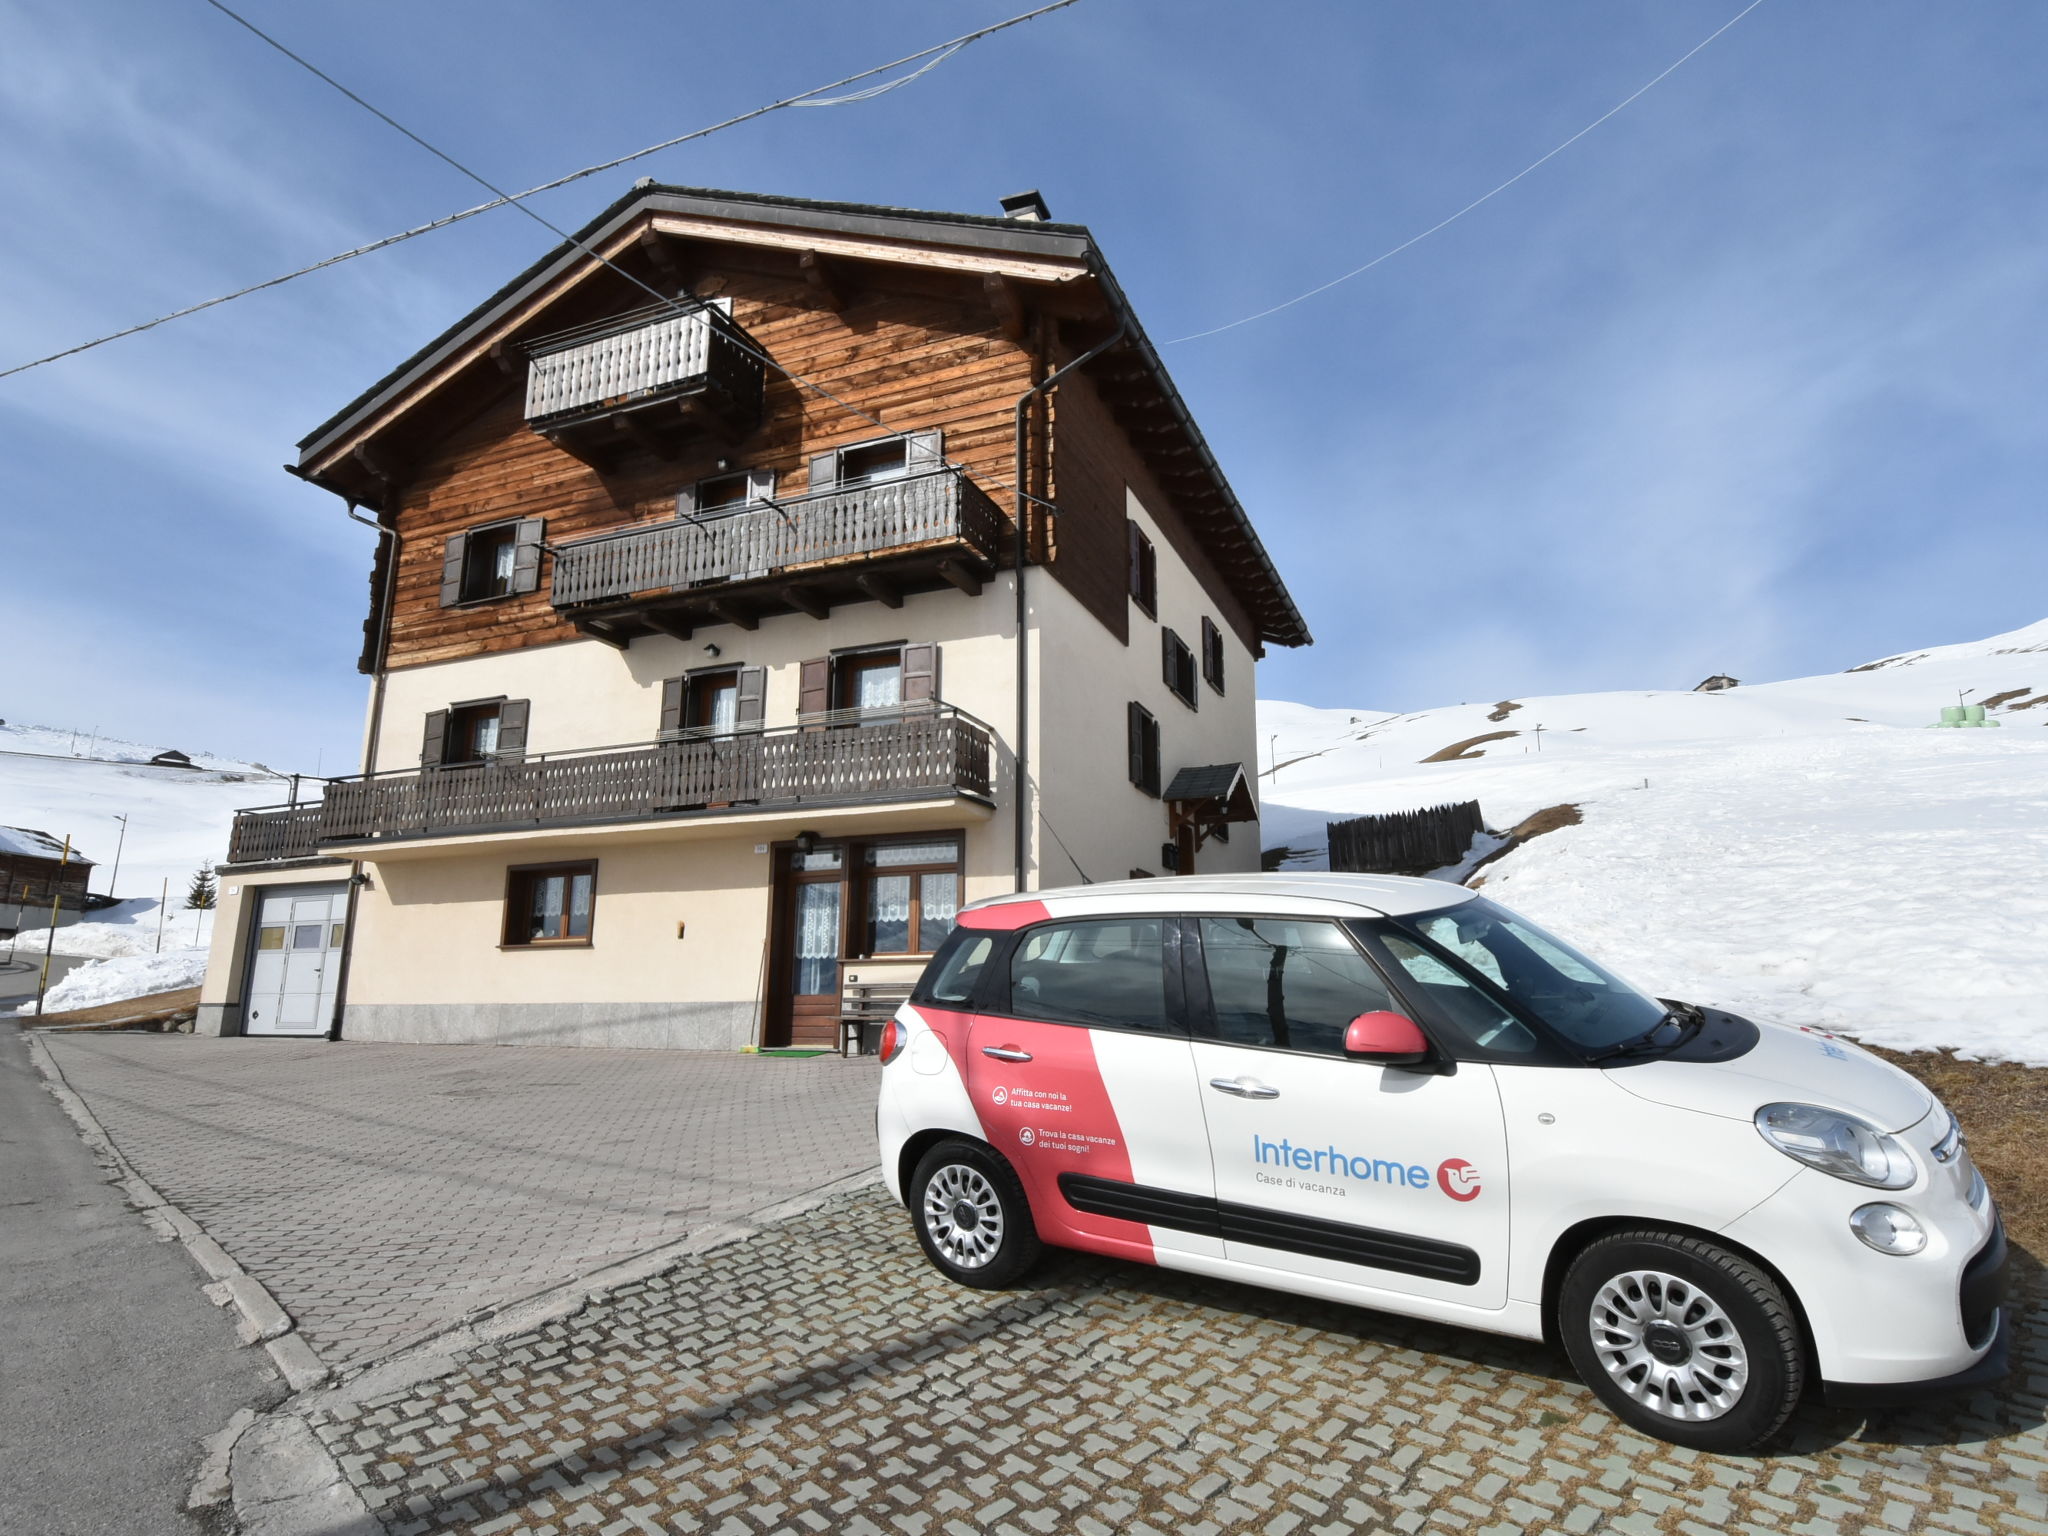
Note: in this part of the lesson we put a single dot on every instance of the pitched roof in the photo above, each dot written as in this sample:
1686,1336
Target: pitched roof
992,237
27,843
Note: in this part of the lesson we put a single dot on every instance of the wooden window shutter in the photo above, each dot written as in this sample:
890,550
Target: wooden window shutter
824,470
1212,653
814,686
1135,730
512,728
454,554
671,705
751,703
920,674
434,748
1148,560
1151,757
526,539
1136,540
923,451
1168,643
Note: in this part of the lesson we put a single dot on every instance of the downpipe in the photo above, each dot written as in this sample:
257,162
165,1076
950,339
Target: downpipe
1022,739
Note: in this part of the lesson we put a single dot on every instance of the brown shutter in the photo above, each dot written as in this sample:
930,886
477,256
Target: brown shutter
1135,737
920,674
824,470
814,687
671,705
434,749
526,554
1212,653
1135,576
923,452
1168,640
1151,757
453,554
512,728
750,704
1148,560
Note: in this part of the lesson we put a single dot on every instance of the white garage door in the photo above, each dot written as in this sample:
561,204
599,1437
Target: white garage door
297,961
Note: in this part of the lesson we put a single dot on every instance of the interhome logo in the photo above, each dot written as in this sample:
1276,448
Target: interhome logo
1454,1176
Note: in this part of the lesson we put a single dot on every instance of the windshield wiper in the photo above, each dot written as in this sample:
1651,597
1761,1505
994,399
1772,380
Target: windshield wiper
1684,1017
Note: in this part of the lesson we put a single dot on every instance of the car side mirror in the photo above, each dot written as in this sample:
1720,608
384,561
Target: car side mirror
1392,1039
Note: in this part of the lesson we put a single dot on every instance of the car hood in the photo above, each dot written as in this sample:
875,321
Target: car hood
1786,1064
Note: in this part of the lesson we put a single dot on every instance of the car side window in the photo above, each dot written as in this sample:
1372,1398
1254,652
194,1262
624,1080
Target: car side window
1286,982
1110,973
1457,1003
955,971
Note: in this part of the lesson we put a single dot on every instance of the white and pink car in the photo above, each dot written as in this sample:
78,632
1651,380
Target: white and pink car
1398,1094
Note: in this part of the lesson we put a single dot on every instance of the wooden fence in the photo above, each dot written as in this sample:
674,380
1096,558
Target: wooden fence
1405,842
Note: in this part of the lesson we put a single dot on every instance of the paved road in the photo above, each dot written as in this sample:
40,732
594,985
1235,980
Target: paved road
821,1377
20,977
382,1192
113,1366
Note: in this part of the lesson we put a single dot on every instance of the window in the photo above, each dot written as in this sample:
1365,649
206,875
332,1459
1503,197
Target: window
1178,667
1108,973
496,560
725,494
549,904
883,682
1212,653
1143,735
956,970
1144,572
484,730
1286,983
891,458
717,701
873,680
910,896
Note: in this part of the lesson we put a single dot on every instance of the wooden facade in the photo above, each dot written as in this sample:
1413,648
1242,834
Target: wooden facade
29,881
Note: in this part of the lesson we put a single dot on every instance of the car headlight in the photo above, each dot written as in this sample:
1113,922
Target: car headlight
1950,1142
1888,1228
1837,1144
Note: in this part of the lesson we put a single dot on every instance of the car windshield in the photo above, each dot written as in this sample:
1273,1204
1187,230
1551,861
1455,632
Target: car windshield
1584,1002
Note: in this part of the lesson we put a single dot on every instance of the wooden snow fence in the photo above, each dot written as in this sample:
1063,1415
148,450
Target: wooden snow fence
1405,842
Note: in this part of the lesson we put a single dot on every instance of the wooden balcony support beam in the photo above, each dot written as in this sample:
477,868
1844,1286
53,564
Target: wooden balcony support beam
609,633
882,591
962,575
673,622
826,278
732,613
1007,301
805,600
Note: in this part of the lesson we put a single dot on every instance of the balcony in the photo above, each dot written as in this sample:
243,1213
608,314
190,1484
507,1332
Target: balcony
913,754
802,554
652,380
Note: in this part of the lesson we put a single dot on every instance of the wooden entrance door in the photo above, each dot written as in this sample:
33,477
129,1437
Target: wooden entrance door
808,940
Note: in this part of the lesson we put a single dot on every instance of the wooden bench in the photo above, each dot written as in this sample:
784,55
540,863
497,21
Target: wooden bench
865,1003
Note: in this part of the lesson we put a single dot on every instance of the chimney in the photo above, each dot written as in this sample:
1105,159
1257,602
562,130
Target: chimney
1027,207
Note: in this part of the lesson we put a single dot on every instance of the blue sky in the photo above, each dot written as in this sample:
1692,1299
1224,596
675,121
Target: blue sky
1747,380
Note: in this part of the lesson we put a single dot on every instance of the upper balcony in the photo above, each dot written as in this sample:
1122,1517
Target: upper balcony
909,754
801,554
654,379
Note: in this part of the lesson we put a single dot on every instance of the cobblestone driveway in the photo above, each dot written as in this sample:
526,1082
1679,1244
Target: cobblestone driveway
821,1378
381,1192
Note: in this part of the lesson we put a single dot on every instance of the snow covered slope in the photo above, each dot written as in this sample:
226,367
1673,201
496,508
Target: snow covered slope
178,819
1804,850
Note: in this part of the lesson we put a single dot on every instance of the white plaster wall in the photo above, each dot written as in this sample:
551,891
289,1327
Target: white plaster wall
1083,680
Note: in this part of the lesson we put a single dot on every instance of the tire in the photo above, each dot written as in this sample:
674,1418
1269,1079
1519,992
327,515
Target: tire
971,1216
1682,1339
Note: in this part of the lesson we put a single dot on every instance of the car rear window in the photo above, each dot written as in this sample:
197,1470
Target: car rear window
955,971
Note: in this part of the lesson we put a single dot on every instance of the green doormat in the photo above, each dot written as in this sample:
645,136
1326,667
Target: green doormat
783,1050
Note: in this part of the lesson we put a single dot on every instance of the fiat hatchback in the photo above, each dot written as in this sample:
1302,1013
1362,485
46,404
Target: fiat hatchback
1398,1094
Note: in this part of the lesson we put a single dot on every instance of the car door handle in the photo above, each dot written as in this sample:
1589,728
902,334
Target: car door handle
1005,1053
1244,1087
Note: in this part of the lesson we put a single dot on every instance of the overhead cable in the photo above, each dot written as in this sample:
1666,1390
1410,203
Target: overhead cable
946,48
1446,223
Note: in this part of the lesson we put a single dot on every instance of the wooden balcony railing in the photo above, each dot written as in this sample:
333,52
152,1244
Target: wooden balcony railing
908,754
275,833
939,513
638,379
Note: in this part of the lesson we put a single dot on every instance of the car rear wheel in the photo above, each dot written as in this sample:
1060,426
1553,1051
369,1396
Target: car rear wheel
1683,1339
971,1216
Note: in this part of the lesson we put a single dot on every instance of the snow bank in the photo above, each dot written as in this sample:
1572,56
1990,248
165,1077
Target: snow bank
113,981
117,940
1804,850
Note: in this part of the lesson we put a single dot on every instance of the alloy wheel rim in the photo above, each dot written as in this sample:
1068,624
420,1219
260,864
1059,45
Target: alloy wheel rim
1668,1345
964,1215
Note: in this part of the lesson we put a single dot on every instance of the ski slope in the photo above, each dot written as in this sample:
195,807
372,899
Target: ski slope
1803,850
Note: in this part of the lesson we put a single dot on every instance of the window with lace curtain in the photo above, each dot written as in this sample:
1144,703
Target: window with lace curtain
910,895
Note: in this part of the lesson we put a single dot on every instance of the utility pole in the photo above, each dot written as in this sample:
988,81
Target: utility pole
114,879
163,909
49,944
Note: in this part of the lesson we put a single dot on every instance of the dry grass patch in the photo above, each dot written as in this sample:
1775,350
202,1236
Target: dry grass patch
1460,751
154,1011
2003,1108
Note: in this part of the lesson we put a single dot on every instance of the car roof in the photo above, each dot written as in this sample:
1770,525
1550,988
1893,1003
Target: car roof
1301,894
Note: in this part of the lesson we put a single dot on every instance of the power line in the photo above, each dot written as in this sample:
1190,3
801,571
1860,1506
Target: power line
800,99
1488,197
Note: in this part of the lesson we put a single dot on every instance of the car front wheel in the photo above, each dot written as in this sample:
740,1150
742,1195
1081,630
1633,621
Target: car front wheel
1683,1339
971,1215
